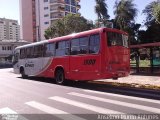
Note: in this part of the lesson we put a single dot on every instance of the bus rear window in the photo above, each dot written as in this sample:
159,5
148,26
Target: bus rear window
117,39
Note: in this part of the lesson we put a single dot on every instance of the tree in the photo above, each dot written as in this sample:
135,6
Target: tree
49,33
125,13
67,25
152,12
101,10
133,32
76,23
156,12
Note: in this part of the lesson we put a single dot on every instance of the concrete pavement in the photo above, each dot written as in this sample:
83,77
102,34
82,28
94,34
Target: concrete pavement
138,81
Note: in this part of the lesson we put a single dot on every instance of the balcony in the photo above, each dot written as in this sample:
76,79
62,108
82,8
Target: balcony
78,6
57,2
61,8
78,0
61,1
57,16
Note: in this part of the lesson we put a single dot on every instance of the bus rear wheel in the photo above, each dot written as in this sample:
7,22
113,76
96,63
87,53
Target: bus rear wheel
60,77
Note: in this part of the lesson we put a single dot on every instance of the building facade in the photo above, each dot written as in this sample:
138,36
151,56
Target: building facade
38,15
7,48
9,29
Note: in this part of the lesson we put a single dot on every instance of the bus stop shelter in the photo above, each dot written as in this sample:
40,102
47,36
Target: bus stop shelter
152,56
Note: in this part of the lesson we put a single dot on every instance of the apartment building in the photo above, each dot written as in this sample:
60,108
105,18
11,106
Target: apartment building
7,48
9,29
38,15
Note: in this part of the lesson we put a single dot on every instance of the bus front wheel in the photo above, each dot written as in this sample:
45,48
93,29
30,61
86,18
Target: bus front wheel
24,76
59,76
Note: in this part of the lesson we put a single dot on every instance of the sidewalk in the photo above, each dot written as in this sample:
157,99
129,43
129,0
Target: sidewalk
136,81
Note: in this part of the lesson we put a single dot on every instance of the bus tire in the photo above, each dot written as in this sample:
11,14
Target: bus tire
115,78
59,76
23,75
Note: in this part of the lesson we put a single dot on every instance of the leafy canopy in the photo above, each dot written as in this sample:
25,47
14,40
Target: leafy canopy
72,23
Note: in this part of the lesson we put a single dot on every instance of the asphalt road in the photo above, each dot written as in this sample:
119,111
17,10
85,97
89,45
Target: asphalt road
42,99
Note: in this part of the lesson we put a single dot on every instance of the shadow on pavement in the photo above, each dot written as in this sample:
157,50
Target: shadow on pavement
108,88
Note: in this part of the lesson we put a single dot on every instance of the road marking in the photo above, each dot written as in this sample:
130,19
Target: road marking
50,110
7,111
85,106
7,114
123,96
116,102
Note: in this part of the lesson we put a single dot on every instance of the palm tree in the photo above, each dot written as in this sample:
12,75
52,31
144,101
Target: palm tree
125,13
101,10
151,11
156,12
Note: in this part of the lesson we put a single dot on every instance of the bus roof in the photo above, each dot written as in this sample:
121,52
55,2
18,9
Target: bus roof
74,35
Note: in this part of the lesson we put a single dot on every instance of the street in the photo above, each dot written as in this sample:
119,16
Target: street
34,98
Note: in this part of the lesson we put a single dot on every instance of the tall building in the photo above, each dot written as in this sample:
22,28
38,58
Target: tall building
9,29
38,15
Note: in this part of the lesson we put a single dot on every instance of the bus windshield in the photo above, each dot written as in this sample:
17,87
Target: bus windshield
117,39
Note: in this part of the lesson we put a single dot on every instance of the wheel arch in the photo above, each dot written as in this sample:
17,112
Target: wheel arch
58,68
21,68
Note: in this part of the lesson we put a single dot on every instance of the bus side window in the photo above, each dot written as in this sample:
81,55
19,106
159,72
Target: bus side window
49,50
62,48
75,46
22,53
83,45
29,52
94,43
38,51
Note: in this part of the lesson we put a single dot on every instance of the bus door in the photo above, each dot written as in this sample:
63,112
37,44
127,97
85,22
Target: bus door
85,60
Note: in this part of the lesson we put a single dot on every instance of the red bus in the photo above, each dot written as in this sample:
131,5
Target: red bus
95,54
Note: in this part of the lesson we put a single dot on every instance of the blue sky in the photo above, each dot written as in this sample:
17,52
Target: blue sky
10,9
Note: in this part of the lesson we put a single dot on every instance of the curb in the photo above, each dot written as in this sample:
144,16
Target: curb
129,85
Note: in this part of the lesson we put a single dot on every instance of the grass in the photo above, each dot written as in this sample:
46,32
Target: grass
142,63
130,85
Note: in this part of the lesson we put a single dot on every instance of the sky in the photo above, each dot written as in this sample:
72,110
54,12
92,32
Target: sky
10,9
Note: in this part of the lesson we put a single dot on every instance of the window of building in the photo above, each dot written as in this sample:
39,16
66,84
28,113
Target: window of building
73,9
3,47
46,23
73,2
67,1
45,8
94,44
66,13
46,15
62,48
67,8
8,47
45,0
